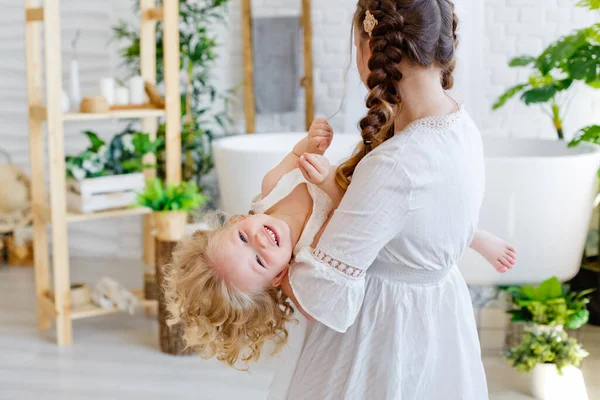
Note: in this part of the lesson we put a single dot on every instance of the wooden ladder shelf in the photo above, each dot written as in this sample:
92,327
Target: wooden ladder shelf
58,308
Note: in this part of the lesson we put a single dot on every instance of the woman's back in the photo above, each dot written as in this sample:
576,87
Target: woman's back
443,159
408,321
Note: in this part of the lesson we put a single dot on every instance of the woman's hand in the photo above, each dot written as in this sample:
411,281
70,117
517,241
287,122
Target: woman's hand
315,168
318,140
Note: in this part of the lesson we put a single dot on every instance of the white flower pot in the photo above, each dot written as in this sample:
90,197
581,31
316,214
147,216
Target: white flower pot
547,384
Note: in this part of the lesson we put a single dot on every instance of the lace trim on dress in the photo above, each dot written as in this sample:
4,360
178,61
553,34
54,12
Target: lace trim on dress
439,122
340,266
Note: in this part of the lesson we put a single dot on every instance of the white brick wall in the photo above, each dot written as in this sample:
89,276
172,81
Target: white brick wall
511,27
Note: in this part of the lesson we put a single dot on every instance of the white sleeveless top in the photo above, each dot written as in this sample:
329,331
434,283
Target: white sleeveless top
322,205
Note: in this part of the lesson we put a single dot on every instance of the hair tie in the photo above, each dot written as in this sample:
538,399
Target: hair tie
367,142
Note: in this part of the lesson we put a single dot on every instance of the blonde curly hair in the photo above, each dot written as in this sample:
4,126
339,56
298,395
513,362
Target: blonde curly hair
218,319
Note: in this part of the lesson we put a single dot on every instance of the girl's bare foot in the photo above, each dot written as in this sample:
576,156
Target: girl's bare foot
496,251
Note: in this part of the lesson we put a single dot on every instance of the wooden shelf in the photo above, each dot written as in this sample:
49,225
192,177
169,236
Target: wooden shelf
47,73
91,310
76,217
125,212
126,114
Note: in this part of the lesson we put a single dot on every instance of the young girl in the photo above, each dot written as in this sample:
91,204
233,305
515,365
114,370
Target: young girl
224,283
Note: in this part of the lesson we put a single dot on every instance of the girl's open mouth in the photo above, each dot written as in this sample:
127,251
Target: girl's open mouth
272,235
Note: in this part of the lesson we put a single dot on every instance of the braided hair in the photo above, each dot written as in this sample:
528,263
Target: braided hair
418,32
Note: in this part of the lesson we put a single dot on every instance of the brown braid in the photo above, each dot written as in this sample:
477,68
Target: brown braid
413,31
447,77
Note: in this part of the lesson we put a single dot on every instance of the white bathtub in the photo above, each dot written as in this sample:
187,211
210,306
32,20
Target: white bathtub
539,197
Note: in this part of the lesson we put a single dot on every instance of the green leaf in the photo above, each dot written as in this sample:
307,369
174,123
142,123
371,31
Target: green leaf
588,134
529,292
578,319
510,93
520,315
521,61
96,142
539,95
590,4
550,289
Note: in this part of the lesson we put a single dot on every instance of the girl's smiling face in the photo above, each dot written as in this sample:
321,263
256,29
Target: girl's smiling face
253,252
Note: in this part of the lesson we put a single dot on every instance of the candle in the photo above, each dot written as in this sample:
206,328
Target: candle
65,102
122,96
107,89
75,85
137,92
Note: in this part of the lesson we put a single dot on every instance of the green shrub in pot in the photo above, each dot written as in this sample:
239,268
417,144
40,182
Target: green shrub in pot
551,346
550,303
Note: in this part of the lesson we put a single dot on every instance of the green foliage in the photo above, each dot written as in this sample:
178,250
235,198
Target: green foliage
591,4
510,93
157,196
550,303
547,347
588,134
124,155
204,109
573,57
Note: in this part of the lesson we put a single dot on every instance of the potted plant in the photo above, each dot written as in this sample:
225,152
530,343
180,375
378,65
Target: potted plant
545,348
553,359
551,303
171,205
571,58
106,176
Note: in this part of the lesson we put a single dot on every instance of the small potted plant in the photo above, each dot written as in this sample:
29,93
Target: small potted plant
171,205
553,359
550,303
545,348
106,176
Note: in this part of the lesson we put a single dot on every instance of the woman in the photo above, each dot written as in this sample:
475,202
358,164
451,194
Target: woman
394,315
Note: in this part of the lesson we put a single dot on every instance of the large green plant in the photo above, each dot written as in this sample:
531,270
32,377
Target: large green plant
550,303
204,108
549,347
574,57
157,196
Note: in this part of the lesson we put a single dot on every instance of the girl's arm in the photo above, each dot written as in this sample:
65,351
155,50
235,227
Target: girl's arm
317,141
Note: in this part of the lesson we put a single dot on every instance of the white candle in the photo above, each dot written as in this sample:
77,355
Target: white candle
122,96
75,86
107,89
137,91
65,102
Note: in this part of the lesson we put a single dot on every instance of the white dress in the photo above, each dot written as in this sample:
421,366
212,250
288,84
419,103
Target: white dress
395,317
322,205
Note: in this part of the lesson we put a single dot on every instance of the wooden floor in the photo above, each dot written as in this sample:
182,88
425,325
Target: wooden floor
116,357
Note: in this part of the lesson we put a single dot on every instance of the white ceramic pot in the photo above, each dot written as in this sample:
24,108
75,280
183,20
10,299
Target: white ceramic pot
547,384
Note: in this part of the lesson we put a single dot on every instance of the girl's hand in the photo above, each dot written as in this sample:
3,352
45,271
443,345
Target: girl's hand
315,168
318,140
